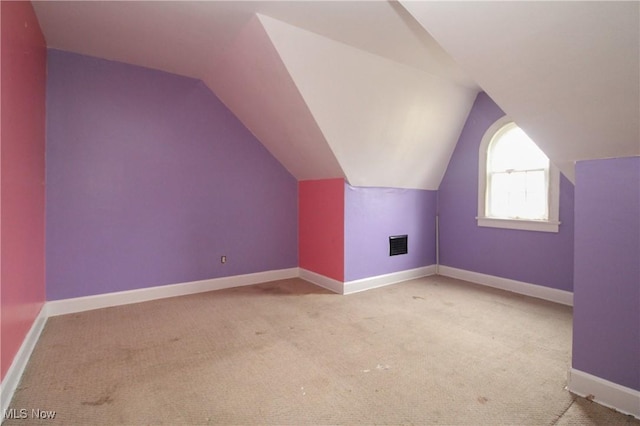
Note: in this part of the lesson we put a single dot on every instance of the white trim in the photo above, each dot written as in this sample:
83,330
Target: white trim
363,284
80,304
437,243
541,292
522,224
14,374
604,392
322,280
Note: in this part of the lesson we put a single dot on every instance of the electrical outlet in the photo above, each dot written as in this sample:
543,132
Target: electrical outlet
223,259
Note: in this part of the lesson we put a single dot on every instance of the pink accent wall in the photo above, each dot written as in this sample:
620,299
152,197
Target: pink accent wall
22,166
321,227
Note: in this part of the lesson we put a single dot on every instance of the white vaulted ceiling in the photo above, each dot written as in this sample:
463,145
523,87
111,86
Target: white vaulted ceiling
251,79
361,90
387,124
567,72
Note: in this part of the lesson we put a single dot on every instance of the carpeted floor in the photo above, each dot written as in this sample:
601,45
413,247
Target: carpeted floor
427,351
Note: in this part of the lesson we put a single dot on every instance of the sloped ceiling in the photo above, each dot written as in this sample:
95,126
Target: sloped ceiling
567,72
388,124
333,89
252,81
362,90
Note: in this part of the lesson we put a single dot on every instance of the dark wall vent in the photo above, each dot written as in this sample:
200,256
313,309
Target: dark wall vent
397,245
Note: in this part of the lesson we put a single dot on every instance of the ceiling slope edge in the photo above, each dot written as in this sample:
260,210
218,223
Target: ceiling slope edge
251,80
388,124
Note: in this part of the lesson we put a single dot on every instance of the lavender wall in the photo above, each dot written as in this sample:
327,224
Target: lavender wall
534,257
150,179
372,215
606,316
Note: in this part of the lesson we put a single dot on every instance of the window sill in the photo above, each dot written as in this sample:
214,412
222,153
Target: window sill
521,224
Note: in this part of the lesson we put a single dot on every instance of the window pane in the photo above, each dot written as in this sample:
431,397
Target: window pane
536,181
517,173
518,195
512,149
535,207
536,196
498,195
517,181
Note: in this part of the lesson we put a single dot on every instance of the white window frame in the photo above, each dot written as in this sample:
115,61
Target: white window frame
550,225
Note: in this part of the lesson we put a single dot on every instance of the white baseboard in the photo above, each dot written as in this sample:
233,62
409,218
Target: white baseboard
322,280
12,378
363,284
356,286
604,392
80,304
541,292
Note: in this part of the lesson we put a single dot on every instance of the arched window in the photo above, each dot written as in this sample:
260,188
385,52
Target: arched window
518,185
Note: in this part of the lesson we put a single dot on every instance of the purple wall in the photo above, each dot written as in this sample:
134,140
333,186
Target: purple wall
606,316
372,215
150,179
534,257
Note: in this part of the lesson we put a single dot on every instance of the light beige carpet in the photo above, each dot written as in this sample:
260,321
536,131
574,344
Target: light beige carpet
427,351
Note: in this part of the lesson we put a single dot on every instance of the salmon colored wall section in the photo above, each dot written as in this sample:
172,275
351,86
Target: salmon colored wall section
22,148
321,227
